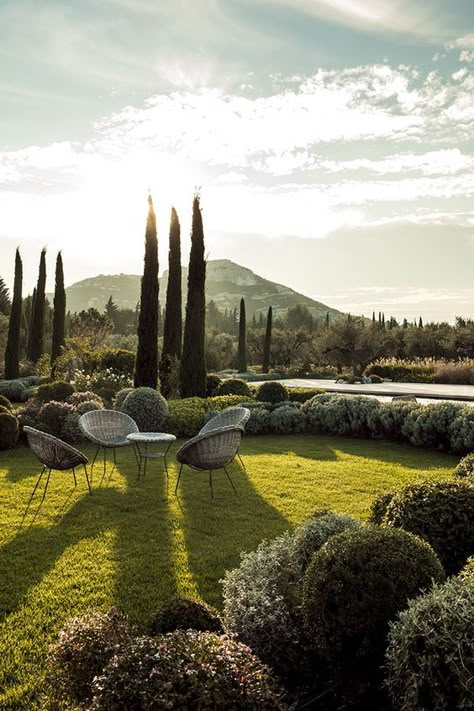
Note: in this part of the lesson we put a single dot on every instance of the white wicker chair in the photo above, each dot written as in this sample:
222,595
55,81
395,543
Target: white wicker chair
108,429
54,454
230,417
210,451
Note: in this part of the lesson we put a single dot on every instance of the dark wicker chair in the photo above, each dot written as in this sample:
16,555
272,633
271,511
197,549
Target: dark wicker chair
108,429
54,454
210,451
231,417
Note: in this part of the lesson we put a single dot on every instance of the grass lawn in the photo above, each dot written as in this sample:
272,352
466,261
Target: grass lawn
133,543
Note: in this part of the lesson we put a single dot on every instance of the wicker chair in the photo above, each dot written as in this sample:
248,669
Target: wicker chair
231,417
210,451
108,429
54,454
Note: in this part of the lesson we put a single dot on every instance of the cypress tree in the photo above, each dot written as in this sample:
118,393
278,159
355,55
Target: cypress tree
242,348
193,362
37,322
420,323
12,351
326,321
267,344
5,305
173,319
59,314
31,312
146,363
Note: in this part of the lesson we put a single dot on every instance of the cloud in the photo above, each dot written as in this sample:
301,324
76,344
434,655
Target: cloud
442,162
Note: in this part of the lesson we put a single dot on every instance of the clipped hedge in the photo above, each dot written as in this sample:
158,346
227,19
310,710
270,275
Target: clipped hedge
147,407
59,391
303,394
234,386
272,391
181,613
465,468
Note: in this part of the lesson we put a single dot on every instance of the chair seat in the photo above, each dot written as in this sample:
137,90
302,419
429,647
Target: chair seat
53,452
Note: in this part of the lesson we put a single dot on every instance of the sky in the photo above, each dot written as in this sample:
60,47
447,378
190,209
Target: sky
332,141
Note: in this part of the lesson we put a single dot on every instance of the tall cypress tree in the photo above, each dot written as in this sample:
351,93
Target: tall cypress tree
31,311
173,320
193,363
242,348
146,364
59,315
12,351
267,344
37,324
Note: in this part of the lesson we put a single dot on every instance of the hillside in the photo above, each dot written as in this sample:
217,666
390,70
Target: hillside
226,283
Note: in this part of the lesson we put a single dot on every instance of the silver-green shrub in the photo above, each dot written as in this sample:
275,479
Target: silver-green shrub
287,419
343,415
430,425
147,407
314,533
89,406
70,430
465,468
259,421
462,431
430,654
120,397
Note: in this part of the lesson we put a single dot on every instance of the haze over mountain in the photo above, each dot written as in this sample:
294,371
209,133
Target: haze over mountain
226,283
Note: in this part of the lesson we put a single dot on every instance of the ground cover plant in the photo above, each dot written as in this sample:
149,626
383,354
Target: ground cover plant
133,545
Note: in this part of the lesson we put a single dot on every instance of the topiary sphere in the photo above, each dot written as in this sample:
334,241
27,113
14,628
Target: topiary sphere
212,384
314,533
5,402
120,397
185,670
442,514
182,613
272,391
357,583
89,406
430,654
378,508
9,430
147,407
234,386
465,468
84,647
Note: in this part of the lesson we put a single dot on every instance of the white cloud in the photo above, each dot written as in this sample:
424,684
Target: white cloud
442,162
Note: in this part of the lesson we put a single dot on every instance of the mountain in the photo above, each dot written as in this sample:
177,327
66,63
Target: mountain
226,283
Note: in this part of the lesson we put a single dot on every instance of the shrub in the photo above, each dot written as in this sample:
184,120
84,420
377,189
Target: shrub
392,416
5,402
259,420
84,647
376,379
314,533
9,430
343,415
5,410
303,394
212,384
89,406
353,587
120,397
287,420
430,654
70,430
182,613
430,425
379,507
468,571
234,386
221,402
440,513
58,391
147,407
185,417
13,390
272,392
184,670
76,398
462,431
404,371
120,361
52,415
460,372
465,468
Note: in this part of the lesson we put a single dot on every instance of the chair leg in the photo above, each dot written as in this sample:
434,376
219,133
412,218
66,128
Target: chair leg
210,483
74,475
231,482
179,477
46,487
93,461
115,457
32,494
105,459
87,479
241,461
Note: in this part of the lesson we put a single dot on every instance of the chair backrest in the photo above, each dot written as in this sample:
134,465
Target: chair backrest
106,425
211,450
52,451
230,417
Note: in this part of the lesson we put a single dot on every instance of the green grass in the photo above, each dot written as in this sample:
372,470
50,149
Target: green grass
133,543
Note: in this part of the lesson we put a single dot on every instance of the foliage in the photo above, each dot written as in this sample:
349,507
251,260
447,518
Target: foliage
343,415
169,376
303,394
118,360
272,391
234,386
120,397
89,406
440,513
212,384
353,587
242,345
184,670
14,390
52,415
147,407
146,364
12,350
193,365
5,304
314,533
185,417
287,419
379,507
393,416
5,402
36,345
9,430
181,613
173,326
462,431
70,430
90,325
106,383
465,468
468,571
420,370
267,343
57,390
430,655
78,397
221,402
259,420
430,426
84,647
59,315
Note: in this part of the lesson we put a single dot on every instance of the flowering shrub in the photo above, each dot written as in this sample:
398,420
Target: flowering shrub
100,380
185,670
78,397
430,654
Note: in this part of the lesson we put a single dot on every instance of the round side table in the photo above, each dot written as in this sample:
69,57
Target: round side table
141,440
